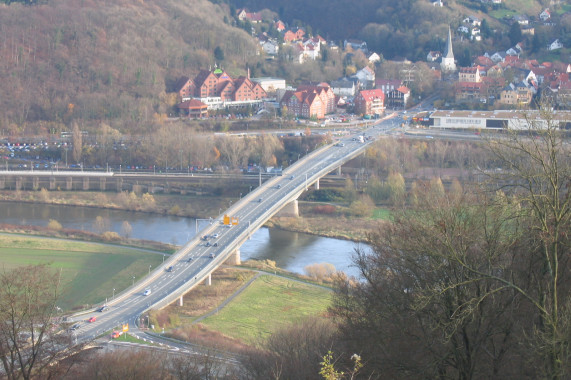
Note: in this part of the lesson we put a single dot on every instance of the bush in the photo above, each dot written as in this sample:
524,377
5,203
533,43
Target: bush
110,236
321,271
54,225
325,209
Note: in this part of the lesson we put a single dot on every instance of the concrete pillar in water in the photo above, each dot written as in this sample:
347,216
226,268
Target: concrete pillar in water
19,183
52,183
35,183
119,184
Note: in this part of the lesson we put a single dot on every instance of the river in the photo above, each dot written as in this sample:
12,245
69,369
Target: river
290,250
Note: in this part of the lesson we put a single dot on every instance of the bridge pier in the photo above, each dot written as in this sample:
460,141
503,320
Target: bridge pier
209,279
35,183
339,170
85,183
2,183
52,183
19,183
180,302
69,183
119,184
290,209
235,258
317,184
102,183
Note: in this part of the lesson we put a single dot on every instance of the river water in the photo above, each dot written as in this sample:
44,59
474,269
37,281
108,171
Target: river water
290,250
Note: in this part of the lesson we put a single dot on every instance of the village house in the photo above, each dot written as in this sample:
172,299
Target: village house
356,45
305,104
555,45
469,74
344,87
545,15
433,56
294,35
398,98
253,17
370,102
516,95
193,108
366,76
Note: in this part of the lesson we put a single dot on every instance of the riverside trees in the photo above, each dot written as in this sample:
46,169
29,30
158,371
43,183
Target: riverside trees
472,284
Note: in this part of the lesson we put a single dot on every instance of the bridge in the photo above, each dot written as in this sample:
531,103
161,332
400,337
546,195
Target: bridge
193,264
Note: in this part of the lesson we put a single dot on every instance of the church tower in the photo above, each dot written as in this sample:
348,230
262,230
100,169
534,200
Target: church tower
447,65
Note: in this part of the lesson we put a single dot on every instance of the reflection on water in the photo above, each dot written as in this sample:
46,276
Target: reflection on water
290,250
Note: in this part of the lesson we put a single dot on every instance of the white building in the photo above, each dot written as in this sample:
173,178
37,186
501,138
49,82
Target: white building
270,85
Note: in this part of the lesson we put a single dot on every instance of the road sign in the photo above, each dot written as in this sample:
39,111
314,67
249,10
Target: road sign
126,327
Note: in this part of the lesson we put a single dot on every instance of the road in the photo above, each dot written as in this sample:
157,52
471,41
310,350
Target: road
192,264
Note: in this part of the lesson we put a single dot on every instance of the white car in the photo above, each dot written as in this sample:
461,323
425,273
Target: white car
147,292
215,236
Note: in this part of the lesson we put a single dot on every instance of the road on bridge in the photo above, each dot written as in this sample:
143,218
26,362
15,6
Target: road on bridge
194,262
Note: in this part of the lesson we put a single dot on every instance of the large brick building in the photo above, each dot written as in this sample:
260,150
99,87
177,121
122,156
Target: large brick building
217,88
309,100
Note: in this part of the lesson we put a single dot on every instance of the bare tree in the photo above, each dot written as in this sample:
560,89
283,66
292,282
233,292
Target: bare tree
537,172
30,343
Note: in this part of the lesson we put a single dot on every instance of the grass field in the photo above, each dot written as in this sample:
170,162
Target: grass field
382,214
89,271
266,305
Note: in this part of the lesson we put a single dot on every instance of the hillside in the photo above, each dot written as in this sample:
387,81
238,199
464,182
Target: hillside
98,60
410,28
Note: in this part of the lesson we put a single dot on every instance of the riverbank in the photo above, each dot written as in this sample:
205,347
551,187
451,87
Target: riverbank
334,225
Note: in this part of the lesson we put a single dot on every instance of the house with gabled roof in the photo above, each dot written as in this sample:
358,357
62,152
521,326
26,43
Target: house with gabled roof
292,35
243,15
306,104
324,91
184,87
545,15
370,102
432,56
398,98
279,25
343,87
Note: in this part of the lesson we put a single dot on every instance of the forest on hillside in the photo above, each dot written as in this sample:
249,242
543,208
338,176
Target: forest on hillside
93,60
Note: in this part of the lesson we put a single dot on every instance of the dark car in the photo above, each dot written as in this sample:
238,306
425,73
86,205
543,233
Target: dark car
103,308
170,269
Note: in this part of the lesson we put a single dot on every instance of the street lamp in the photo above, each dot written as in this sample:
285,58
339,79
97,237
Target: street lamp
113,293
149,269
133,281
240,195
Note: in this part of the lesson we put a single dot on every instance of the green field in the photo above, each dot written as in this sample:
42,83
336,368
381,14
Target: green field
89,271
267,304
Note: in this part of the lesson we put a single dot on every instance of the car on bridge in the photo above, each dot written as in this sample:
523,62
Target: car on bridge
147,292
212,255
103,308
92,319
170,269
214,236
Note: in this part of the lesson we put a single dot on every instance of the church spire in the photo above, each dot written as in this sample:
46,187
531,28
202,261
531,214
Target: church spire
448,64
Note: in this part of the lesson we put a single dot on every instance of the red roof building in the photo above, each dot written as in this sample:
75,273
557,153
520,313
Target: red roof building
370,102
193,108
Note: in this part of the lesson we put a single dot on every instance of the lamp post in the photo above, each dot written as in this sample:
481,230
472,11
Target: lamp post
240,195
149,269
133,284
113,293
